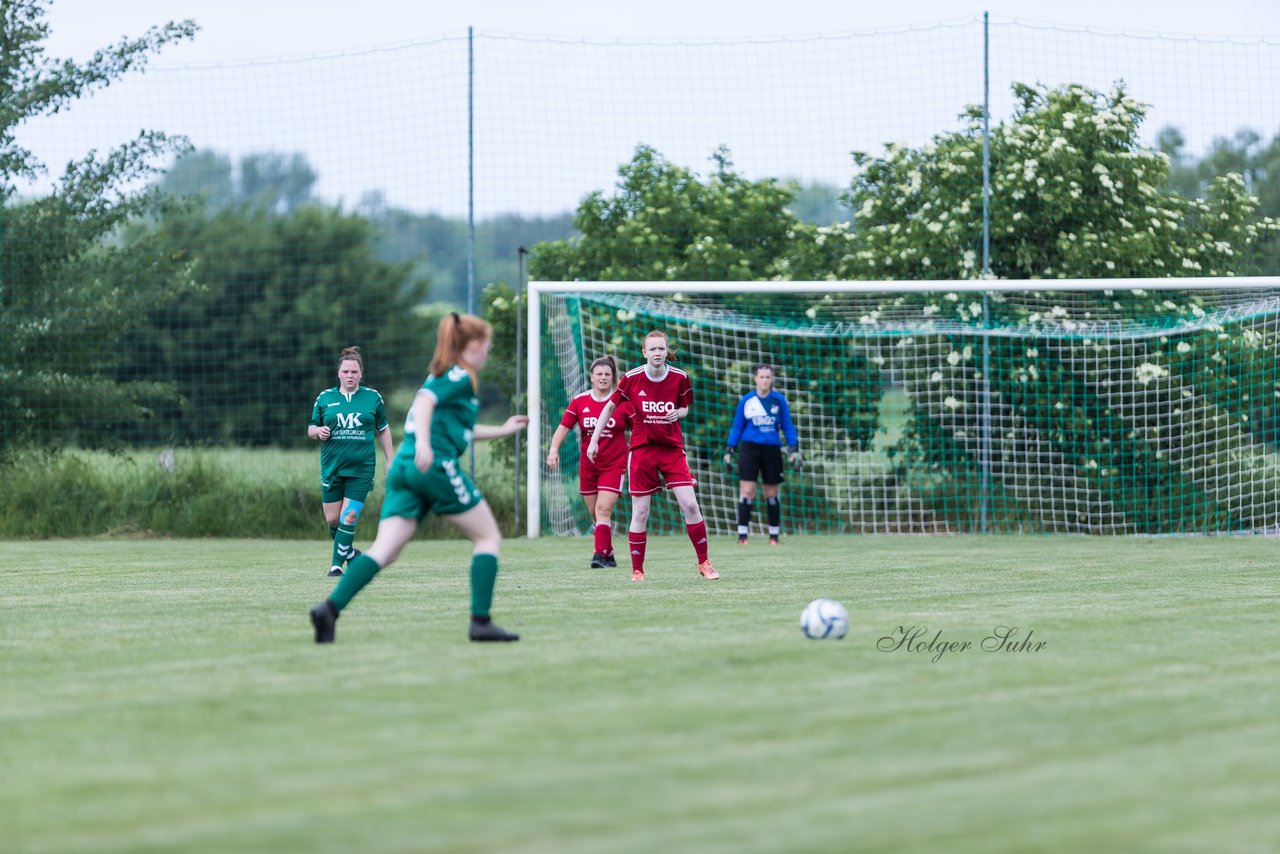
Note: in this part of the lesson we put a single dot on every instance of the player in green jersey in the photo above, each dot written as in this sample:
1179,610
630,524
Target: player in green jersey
345,421
427,476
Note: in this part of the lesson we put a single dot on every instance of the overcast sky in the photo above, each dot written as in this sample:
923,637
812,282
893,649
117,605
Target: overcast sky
374,93
246,29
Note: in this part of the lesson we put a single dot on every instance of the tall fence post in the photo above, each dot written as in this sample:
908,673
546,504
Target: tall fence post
985,497
471,172
520,283
471,193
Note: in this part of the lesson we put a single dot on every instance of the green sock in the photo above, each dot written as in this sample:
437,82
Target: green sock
359,573
484,572
342,541
333,531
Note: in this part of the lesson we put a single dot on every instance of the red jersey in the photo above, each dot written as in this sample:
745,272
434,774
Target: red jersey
585,409
652,400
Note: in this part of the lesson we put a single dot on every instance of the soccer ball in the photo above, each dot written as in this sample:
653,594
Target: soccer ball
824,619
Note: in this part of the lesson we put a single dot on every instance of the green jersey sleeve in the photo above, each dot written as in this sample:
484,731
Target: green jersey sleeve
317,412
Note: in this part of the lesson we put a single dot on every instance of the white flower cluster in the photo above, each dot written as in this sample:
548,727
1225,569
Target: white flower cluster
1147,372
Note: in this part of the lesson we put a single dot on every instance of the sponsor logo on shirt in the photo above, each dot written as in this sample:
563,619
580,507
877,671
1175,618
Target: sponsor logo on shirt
349,420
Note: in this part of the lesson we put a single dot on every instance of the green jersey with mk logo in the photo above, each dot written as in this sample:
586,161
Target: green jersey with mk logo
454,418
354,419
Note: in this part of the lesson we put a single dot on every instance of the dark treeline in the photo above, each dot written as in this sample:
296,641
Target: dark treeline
433,246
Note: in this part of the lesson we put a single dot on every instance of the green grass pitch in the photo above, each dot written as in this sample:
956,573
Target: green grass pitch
167,696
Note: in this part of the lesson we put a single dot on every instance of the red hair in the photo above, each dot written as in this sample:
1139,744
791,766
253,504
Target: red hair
453,335
658,333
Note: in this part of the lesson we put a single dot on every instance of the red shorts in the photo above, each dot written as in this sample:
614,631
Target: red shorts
649,466
593,478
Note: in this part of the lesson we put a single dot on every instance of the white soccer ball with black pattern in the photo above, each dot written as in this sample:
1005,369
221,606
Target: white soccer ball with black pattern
824,619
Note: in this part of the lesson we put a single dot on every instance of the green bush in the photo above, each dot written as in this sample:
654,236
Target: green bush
195,493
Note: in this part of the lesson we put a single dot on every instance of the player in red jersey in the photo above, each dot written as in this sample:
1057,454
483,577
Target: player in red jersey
599,481
661,396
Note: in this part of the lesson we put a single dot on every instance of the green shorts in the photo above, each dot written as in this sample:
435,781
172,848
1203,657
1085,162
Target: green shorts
338,487
445,489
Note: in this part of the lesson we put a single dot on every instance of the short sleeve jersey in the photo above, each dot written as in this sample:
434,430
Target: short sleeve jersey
354,420
652,400
585,410
454,419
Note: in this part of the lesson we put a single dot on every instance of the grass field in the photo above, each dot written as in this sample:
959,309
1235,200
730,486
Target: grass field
166,696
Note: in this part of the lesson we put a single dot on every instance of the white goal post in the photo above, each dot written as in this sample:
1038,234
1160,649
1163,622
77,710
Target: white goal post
985,445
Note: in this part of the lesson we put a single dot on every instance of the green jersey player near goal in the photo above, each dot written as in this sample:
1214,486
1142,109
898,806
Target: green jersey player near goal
427,476
346,420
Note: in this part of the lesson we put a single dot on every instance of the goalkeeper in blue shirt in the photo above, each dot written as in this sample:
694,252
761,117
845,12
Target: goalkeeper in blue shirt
754,436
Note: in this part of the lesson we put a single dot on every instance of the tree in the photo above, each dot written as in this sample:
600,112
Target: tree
204,175
665,224
275,181
263,180
1184,177
437,245
66,279
280,296
1074,194
818,204
1244,154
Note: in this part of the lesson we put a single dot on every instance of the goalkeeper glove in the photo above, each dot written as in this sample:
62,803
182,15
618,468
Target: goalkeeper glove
728,460
794,457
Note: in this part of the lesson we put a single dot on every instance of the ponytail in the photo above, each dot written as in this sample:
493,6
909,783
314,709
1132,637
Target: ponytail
453,335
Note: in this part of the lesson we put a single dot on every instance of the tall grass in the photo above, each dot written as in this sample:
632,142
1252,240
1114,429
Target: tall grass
193,493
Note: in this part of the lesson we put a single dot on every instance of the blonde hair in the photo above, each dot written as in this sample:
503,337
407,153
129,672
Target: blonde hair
453,335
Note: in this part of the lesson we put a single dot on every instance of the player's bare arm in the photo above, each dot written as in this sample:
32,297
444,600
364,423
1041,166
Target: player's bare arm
424,407
384,439
557,439
510,427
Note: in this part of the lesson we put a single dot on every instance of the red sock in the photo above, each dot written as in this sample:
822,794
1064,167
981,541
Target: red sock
637,542
698,536
604,538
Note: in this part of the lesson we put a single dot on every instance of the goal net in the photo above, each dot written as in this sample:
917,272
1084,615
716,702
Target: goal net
1118,406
